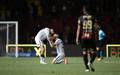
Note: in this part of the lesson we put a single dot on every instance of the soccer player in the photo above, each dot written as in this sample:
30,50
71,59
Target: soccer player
58,44
43,34
100,43
86,30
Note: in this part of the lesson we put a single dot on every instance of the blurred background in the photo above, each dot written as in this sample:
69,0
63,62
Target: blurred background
61,15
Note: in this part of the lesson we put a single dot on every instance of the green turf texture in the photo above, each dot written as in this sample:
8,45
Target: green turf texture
75,66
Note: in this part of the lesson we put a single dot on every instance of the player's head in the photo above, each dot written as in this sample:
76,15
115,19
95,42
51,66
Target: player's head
52,31
56,36
97,26
85,10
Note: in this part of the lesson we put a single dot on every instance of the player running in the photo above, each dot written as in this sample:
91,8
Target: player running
42,35
60,50
86,29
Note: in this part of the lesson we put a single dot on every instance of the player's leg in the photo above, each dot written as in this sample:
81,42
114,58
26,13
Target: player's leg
101,53
98,54
40,45
101,48
93,56
85,58
85,55
98,50
42,56
37,49
58,59
55,59
92,52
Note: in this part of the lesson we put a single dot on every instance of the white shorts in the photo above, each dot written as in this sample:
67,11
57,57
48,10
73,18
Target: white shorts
39,43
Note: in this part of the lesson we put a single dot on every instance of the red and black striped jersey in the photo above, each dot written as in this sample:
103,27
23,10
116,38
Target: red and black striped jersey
86,23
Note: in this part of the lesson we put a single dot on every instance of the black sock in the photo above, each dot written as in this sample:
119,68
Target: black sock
37,47
42,55
85,58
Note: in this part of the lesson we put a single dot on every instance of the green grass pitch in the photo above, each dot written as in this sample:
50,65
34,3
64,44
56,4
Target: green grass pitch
31,66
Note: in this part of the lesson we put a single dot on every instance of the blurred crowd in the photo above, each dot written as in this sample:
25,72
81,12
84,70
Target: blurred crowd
61,15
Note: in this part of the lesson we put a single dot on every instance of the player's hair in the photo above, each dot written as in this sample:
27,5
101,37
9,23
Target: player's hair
51,30
85,9
89,9
56,35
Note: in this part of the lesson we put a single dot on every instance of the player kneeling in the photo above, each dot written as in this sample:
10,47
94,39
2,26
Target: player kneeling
58,44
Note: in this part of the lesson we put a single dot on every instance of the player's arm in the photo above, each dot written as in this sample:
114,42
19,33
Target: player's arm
57,42
53,45
49,38
103,33
78,33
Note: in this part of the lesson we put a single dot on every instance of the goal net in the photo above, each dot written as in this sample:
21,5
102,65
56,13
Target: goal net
113,52
8,35
9,41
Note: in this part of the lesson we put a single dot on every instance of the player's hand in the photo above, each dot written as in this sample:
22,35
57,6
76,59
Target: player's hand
97,48
52,46
77,42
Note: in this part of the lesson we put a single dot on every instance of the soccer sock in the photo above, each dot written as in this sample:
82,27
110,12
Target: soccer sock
98,54
41,59
42,55
93,56
85,58
101,53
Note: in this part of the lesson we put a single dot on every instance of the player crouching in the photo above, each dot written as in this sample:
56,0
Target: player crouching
58,44
43,34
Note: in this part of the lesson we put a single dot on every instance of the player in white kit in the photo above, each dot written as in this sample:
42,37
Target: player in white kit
42,35
60,50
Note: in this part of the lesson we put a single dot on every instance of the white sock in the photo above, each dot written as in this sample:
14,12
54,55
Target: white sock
41,59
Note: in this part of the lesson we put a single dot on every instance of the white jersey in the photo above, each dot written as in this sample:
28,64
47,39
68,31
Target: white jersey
43,34
59,46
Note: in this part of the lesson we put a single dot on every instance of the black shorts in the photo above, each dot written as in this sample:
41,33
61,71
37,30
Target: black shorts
100,43
88,44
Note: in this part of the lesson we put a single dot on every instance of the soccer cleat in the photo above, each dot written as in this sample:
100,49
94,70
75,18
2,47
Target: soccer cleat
99,59
91,67
43,63
87,70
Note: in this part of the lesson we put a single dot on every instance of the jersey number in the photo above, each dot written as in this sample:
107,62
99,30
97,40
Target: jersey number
87,25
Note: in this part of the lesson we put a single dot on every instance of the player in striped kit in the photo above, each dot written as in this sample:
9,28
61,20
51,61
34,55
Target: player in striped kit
86,30
42,35
58,44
